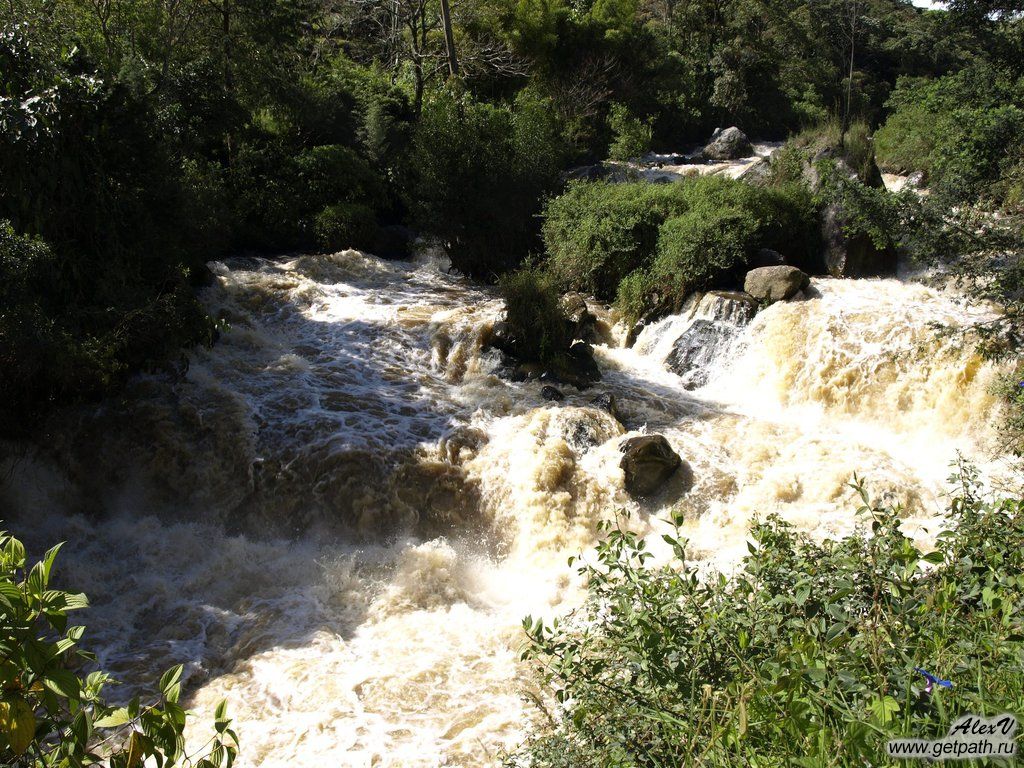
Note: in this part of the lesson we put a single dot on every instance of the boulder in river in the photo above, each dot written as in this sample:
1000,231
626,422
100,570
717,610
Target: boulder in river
606,402
856,255
771,284
730,144
551,393
695,350
580,367
647,462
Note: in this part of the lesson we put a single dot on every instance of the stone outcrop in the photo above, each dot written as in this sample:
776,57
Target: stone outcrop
848,255
771,284
730,144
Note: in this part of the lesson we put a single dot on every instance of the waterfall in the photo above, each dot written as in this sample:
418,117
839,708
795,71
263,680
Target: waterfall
338,515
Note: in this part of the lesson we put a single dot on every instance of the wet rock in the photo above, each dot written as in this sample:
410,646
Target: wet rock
771,284
717,318
848,255
729,144
606,402
499,337
695,350
583,322
551,393
581,369
647,462
585,428
634,333
594,172
734,307
525,371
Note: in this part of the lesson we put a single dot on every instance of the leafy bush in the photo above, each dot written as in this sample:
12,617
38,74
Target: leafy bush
477,175
964,130
651,244
807,655
537,323
50,716
344,225
631,136
57,346
598,233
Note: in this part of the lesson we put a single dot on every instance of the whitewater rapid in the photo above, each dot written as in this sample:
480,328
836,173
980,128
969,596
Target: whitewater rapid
338,515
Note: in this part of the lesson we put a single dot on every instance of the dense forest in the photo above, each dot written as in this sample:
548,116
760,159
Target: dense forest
142,139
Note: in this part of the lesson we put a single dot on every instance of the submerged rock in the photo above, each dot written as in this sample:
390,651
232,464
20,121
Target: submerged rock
586,428
729,144
717,319
771,284
551,393
647,462
606,402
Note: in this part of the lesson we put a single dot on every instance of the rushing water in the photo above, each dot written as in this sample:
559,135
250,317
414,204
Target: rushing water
339,514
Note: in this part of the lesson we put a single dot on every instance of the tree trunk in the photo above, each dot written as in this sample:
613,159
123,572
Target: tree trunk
449,39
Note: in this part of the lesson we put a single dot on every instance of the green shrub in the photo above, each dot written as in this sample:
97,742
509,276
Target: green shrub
57,346
964,130
50,715
975,152
281,193
345,225
806,655
477,175
631,136
648,245
907,139
598,233
537,323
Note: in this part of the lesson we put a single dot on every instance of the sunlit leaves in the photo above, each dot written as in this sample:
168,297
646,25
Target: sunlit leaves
804,656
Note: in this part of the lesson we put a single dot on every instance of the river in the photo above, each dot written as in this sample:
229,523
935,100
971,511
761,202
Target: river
338,515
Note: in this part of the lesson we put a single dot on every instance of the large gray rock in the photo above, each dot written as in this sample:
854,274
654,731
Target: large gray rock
730,144
647,463
848,255
758,174
773,284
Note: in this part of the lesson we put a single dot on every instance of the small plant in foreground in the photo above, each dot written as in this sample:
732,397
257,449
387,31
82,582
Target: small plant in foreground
806,656
50,716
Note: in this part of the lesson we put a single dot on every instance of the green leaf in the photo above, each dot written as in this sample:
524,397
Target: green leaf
170,683
884,709
17,724
116,718
63,683
48,558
